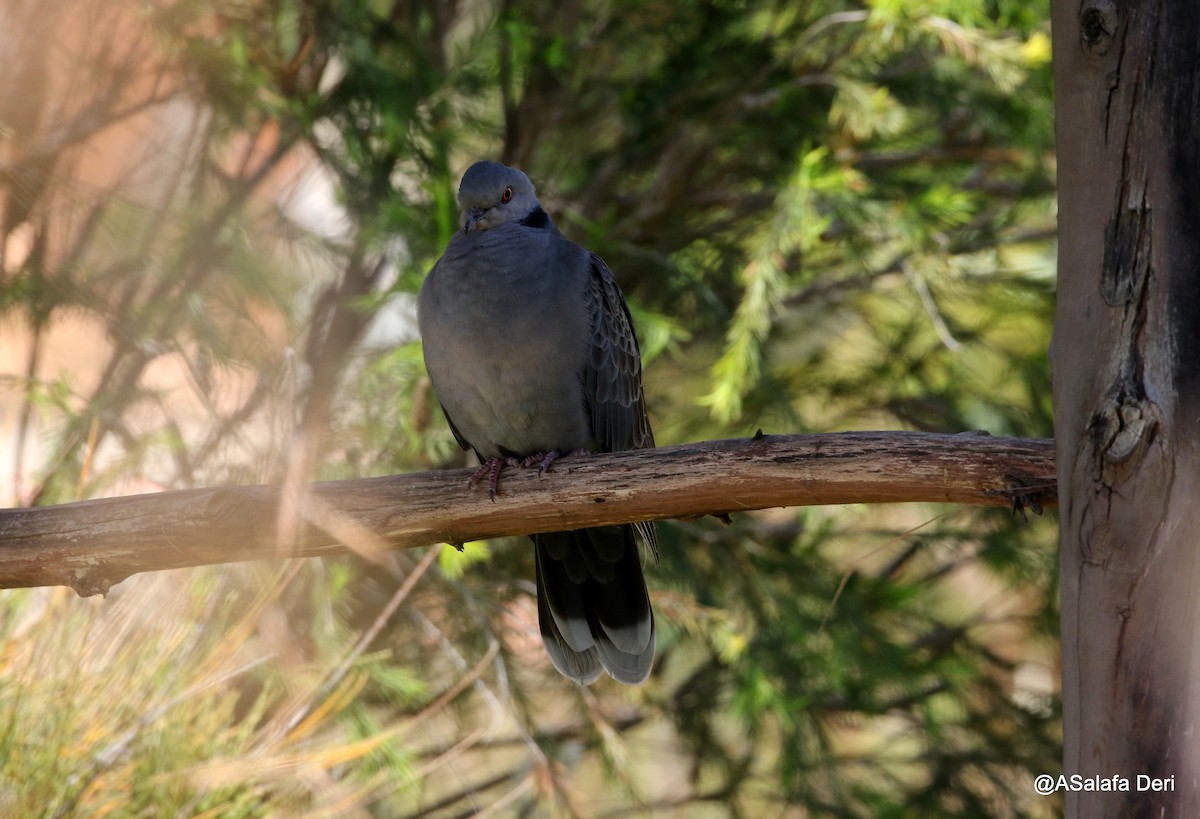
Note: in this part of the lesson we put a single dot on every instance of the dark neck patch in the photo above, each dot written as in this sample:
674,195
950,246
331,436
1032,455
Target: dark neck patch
537,219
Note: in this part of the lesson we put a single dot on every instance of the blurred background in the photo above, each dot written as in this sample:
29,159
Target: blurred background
825,214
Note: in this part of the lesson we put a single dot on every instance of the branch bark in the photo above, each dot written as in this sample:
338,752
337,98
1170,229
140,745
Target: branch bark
92,544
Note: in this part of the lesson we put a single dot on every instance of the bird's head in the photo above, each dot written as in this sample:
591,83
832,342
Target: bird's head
492,194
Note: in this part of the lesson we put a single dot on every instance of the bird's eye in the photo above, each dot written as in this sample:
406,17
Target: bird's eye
506,196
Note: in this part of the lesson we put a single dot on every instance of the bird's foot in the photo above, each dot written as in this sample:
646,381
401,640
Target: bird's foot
542,460
491,468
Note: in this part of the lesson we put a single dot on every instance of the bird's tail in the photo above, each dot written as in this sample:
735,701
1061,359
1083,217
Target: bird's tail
593,606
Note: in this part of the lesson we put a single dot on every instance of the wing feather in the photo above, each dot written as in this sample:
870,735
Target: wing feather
612,378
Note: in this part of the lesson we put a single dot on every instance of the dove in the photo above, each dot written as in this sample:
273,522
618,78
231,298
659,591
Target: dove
531,351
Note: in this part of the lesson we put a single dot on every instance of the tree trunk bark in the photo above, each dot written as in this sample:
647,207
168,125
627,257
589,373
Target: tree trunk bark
1126,359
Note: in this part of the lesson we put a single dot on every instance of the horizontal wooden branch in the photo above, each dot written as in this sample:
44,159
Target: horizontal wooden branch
92,544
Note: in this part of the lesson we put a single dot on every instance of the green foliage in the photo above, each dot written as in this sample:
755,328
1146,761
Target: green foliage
872,681
826,216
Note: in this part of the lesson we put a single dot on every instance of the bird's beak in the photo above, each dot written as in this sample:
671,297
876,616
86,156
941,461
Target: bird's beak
473,217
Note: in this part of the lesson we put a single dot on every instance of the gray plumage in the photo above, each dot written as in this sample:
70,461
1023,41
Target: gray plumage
531,350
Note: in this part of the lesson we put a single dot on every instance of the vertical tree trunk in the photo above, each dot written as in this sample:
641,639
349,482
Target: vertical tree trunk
1126,357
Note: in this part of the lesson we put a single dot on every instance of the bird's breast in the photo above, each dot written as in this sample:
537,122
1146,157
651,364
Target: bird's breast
506,336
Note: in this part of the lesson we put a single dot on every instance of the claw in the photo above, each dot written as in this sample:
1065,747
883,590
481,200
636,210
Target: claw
491,467
543,460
